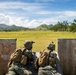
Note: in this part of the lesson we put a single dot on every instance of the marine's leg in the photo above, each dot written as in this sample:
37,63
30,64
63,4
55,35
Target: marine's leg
41,72
11,73
27,72
20,70
46,71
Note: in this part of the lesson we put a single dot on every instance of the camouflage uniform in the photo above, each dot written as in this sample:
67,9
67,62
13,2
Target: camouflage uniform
51,62
47,70
19,59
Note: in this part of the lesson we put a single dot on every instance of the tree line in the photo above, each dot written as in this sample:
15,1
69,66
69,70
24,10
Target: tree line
59,26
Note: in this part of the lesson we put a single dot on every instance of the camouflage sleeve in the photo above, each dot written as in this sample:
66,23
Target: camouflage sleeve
36,64
23,60
53,59
29,55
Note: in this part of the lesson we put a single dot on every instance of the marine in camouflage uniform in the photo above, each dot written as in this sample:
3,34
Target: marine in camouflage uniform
49,66
19,60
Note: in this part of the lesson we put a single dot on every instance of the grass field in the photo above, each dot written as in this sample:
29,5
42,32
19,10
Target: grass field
41,38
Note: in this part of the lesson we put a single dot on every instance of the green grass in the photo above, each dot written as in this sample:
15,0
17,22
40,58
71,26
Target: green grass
41,38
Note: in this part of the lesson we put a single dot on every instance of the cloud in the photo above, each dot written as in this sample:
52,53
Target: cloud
4,19
44,0
53,18
31,14
58,13
50,20
12,5
43,12
47,1
70,13
19,21
48,12
20,5
33,23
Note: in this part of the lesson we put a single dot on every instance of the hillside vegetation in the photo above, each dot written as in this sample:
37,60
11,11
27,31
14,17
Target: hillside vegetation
4,27
60,26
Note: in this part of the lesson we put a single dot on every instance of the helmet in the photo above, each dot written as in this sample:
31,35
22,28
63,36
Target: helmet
27,42
51,46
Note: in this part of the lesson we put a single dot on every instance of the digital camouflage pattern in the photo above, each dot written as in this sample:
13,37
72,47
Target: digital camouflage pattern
44,58
51,46
11,73
17,64
53,60
24,60
47,61
15,57
47,70
19,59
18,69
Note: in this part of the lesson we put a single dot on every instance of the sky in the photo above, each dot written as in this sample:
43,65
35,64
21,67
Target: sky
32,13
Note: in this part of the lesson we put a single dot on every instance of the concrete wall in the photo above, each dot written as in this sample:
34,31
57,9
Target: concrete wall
67,55
7,46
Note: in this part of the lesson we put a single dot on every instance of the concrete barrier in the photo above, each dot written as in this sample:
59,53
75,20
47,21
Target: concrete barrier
67,55
7,46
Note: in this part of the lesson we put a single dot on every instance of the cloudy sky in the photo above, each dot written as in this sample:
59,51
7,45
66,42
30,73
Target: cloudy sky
32,13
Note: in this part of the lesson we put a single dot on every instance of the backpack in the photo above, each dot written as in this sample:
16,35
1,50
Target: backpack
43,59
15,56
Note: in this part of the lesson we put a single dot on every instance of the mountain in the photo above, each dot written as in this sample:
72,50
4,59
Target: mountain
4,27
44,27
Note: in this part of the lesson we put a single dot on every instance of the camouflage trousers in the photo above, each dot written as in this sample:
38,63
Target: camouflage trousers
18,69
48,70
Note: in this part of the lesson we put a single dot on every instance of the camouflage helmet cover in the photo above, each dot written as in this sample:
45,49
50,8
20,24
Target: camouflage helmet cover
51,46
28,42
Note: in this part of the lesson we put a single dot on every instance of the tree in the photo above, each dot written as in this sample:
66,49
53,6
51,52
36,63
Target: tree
72,27
65,25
